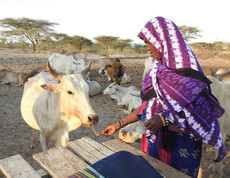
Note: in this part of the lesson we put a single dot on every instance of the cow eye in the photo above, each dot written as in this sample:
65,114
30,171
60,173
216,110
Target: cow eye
70,92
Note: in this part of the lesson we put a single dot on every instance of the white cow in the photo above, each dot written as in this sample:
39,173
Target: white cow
117,91
125,96
130,100
11,77
94,87
221,90
56,108
66,64
70,65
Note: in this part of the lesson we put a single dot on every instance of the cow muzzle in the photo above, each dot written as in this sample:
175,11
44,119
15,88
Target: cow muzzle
92,119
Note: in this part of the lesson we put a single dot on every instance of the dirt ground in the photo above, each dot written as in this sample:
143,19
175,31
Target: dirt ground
15,134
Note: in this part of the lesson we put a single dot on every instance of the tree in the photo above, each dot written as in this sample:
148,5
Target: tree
61,41
3,42
105,41
201,45
218,46
139,48
9,39
121,44
32,30
80,42
227,46
189,32
47,43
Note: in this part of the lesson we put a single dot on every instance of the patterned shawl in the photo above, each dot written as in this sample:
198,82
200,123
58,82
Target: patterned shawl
179,98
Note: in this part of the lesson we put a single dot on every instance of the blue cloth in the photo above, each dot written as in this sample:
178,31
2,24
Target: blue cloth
186,154
124,164
121,164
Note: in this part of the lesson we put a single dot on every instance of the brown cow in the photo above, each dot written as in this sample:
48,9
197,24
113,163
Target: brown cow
115,70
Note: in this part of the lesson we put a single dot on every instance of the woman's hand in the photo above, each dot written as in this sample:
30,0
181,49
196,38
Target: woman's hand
109,130
154,124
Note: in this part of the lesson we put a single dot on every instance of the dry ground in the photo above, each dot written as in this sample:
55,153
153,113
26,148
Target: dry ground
15,134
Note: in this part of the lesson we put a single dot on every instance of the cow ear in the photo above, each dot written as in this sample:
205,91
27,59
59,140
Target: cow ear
50,87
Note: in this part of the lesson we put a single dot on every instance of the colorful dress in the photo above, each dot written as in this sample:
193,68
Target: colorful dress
183,95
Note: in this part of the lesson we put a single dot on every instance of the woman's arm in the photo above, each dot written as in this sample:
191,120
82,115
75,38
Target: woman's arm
111,129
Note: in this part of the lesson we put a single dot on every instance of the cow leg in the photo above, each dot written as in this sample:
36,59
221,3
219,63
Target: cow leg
201,168
33,142
20,81
44,141
200,173
62,139
217,167
121,103
130,108
1,83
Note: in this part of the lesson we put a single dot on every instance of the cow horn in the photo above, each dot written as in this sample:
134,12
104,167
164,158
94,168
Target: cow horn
85,56
74,57
86,70
53,72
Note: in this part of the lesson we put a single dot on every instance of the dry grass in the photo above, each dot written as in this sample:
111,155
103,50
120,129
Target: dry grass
211,59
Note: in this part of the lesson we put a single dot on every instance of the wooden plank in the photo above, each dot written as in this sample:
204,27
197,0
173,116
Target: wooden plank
60,162
15,166
86,151
90,149
98,146
77,149
164,169
41,172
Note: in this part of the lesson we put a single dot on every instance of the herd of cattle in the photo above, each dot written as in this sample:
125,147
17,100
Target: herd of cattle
57,101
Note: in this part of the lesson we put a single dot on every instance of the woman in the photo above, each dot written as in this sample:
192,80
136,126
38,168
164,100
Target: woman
178,108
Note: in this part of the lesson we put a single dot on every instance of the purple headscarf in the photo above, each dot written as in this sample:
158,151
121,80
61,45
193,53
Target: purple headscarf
181,99
165,36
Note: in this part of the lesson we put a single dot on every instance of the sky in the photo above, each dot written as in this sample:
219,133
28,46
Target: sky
123,18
